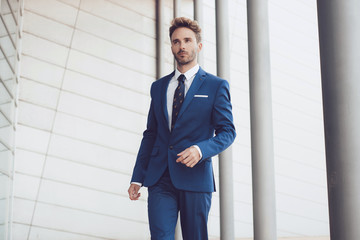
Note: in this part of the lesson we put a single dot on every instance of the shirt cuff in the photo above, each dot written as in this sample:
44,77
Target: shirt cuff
197,147
137,183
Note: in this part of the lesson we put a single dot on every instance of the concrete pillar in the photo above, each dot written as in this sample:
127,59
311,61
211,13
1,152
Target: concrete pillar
262,149
225,158
160,39
177,8
177,13
198,16
339,36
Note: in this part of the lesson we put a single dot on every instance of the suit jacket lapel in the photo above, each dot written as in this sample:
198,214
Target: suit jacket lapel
197,82
164,97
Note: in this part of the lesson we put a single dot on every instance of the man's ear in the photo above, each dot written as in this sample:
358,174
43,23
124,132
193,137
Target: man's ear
199,47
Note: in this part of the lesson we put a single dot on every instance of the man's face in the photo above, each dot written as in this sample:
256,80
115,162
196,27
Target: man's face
184,46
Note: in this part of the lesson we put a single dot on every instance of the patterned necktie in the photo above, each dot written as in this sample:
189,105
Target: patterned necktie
178,99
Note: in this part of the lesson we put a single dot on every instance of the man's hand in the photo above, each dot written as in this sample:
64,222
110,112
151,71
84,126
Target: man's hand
134,192
190,157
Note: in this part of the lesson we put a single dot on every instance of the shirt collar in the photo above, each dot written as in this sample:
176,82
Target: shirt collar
189,74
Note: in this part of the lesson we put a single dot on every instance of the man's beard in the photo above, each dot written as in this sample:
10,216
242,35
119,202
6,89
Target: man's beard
185,60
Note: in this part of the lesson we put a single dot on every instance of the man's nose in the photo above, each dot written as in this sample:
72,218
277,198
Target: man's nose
182,45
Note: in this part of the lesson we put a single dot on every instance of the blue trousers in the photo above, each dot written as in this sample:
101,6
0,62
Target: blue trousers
164,203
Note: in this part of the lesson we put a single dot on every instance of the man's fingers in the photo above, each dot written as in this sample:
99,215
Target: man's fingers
188,157
191,163
179,154
182,155
134,192
136,196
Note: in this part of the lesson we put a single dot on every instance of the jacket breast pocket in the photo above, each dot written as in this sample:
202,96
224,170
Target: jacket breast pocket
201,104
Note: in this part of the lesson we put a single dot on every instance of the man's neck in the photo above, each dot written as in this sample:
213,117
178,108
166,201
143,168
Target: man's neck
186,67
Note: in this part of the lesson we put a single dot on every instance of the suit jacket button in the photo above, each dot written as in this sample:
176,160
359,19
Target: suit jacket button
171,147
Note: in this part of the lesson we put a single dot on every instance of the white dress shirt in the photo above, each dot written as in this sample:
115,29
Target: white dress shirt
189,77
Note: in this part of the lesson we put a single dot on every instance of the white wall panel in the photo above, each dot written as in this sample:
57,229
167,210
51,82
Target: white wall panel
32,139
35,116
91,154
53,9
308,209
43,72
96,89
146,8
300,189
23,211
240,94
73,3
26,186
246,212
108,204
298,102
38,233
102,113
243,192
242,154
240,79
20,231
116,33
75,221
238,62
91,177
243,229
298,135
7,136
96,133
37,93
292,151
209,52
30,163
48,29
242,173
213,225
43,49
106,71
114,53
241,114
305,227
116,13
291,116
294,69
300,171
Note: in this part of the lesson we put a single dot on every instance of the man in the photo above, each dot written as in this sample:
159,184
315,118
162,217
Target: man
189,121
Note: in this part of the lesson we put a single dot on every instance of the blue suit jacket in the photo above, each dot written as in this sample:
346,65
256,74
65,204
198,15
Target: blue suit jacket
205,120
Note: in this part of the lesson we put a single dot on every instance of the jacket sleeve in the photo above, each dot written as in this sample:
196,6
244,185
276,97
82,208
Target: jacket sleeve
146,146
222,119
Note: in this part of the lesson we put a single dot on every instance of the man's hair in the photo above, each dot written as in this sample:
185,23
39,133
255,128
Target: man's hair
188,23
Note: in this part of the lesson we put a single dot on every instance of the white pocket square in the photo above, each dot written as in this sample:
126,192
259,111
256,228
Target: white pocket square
204,96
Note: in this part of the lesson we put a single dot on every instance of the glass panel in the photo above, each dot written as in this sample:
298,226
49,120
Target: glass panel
3,121
6,72
5,166
7,41
7,138
4,206
8,37
14,5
